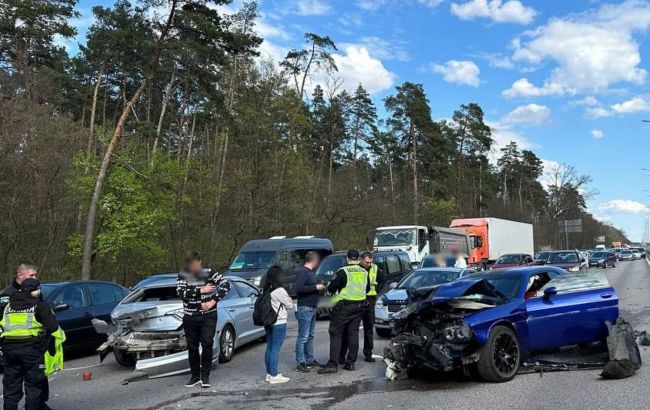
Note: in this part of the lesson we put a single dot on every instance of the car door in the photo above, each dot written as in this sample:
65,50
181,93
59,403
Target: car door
234,308
394,267
74,313
575,315
248,294
104,297
383,280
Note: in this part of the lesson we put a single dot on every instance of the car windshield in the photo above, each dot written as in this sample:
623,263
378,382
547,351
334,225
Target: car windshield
423,278
599,255
626,252
542,255
254,260
508,260
506,285
330,265
563,257
393,237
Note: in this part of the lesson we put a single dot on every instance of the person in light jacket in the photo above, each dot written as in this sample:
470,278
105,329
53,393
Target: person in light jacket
276,333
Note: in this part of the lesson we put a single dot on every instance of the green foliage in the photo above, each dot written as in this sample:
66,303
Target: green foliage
438,212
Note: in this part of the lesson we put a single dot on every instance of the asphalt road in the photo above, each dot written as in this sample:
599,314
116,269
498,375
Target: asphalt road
239,384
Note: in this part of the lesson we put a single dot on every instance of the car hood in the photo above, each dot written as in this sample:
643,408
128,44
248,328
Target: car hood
453,290
503,265
564,265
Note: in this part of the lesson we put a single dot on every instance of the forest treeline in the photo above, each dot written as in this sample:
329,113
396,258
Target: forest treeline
167,131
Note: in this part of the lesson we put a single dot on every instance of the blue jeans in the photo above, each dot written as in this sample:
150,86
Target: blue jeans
306,316
274,338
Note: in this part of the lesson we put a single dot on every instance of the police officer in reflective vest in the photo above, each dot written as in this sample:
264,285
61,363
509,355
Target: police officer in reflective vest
368,315
27,325
349,286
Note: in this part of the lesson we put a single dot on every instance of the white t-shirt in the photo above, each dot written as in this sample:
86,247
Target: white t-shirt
281,301
461,263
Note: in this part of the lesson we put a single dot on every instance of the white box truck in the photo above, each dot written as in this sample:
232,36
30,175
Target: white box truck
492,237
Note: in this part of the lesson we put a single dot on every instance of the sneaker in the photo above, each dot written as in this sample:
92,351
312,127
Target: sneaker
278,379
329,369
302,368
370,359
313,364
268,377
349,367
205,382
193,382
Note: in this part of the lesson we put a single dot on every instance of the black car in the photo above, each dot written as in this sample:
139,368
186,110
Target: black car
541,257
77,303
602,259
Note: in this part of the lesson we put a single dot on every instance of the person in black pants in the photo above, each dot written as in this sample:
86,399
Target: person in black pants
27,324
200,289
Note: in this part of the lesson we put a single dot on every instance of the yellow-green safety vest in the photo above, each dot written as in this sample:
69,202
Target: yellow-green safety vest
20,324
355,288
55,363
372,277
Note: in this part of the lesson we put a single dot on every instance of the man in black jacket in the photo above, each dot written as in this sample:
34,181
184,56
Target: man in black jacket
307,294
27,324
25,270
200,289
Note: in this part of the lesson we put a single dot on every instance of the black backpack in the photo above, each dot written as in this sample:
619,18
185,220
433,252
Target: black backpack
263,313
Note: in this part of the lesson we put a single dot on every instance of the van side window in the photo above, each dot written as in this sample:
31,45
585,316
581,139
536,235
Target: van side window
393,264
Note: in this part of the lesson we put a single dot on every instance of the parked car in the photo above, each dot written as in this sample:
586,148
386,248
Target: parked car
394,265
145,329
636,253
541,257
492,321
397,296
626,255
617,252
257,256
641,251
570,260
602,259
510,260
77,303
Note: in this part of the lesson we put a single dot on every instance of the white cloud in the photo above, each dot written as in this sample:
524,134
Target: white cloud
524,88
312,8
546,179
598,134
356,66
383,49
458,72
373,5
502,135
591,50
632,106
509,11
275,52
624,206
533,114
597,112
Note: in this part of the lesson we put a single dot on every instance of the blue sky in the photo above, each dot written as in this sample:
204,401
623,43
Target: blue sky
567,79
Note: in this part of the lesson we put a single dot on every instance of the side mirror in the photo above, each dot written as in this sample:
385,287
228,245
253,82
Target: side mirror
392,285
548,292
61,307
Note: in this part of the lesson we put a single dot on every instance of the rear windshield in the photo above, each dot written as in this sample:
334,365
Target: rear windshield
162,294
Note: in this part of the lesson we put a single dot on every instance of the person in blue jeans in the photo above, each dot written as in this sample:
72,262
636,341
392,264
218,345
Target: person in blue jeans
307,292
275,334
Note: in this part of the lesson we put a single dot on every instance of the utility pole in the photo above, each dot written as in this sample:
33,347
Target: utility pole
566,235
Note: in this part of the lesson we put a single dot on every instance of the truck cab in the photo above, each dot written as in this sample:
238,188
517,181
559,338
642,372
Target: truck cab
412,239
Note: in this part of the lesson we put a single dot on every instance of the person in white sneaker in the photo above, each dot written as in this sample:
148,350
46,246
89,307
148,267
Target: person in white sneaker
276,333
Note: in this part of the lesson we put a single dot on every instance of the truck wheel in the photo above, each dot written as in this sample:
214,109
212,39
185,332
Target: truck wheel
123,358
500,357
383,332
226,344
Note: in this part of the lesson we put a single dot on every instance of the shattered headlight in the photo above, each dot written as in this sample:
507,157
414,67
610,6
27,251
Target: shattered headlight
462,333
404,313
380,303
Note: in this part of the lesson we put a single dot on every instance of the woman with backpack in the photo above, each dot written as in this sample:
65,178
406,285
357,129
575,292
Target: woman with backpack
276,332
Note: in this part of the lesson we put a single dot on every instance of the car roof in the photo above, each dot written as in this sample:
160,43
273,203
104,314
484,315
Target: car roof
438,269
522,271
75,282
284,243
172,282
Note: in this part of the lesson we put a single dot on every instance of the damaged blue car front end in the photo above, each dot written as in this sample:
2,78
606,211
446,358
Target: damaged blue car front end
493,321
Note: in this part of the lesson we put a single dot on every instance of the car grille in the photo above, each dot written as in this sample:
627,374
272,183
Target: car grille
396,306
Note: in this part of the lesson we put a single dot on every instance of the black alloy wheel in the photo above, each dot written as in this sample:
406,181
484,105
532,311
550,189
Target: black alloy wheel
500,357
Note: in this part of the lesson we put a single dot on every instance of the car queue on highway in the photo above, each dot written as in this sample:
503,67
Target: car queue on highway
459,310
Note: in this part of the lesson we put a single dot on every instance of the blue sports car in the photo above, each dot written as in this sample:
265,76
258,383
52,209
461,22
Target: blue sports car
491,322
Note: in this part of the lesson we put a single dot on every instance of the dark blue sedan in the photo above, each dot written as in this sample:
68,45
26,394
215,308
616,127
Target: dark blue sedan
77,303
491,322
602,259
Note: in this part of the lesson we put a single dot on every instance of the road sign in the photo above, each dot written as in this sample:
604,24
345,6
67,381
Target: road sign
600,239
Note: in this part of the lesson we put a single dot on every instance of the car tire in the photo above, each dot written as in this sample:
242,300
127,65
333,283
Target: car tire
383,332
500,357
226,344
123,358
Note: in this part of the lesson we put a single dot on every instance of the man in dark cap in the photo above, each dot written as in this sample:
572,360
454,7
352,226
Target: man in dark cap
27,325
349,288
